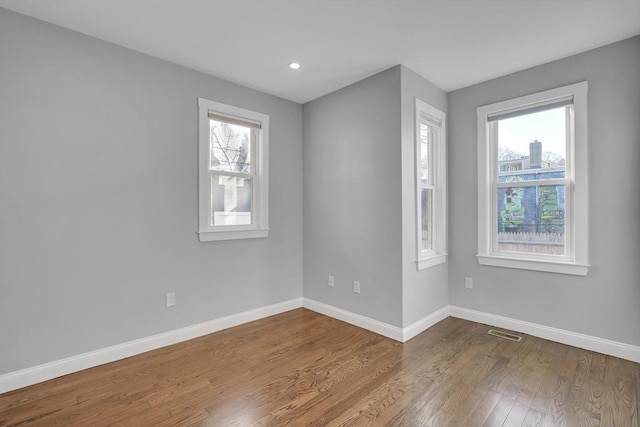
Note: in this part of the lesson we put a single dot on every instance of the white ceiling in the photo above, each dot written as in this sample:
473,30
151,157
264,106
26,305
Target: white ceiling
452,43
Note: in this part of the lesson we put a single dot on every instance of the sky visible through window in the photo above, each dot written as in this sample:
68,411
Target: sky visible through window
547,127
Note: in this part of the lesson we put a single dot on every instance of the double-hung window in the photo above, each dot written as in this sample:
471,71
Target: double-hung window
430,186
532,182
233,172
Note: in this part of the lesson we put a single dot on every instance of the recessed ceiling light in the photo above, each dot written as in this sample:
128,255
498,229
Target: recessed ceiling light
294,65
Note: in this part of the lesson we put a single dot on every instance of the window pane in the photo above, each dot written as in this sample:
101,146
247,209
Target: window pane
427,223
231,200
531,219
425,155
230,147
534,142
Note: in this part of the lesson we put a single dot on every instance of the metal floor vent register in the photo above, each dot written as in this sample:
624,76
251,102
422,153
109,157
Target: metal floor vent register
505,335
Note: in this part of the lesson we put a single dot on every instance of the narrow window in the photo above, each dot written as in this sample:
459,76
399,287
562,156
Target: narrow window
233,193
532,182
430,185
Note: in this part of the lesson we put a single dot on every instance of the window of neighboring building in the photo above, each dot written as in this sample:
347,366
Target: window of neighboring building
233,172
431,185
532,182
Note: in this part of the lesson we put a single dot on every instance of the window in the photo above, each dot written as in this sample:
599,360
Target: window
233,172
532,182
430,186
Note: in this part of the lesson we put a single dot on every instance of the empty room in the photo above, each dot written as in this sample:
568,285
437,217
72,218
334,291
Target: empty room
320,213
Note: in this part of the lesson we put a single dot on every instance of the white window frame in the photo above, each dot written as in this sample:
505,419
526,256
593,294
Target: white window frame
259,174
437,121
575,261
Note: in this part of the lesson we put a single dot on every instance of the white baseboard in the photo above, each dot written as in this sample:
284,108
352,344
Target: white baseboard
587,342
364,322
47,371
416,328
389,331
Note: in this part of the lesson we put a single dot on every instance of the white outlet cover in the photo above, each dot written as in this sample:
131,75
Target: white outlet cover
356,286
171,299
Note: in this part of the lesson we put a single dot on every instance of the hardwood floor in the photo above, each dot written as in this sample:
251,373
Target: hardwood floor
302,368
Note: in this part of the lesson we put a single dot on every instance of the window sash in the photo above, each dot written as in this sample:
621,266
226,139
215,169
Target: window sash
255,134
254,137
431,223
568,255
568,217
492,119
252,210
431,130
430,151
566,101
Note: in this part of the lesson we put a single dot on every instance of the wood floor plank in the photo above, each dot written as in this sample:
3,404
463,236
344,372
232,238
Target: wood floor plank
621,390
528,382
484,408
543,402
301,368
559,407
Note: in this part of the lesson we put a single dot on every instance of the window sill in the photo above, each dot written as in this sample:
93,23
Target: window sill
431,261
536,265
212,236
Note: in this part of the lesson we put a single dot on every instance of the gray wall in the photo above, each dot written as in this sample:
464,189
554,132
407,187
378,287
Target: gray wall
605,303
352,202
98,187
424,291
98,149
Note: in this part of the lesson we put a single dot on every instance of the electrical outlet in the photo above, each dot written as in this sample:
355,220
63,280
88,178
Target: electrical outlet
171,299
356,286
468,282
331,282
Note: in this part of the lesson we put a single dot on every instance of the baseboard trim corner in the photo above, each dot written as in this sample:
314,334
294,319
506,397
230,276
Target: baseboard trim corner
47,371
587,342
358,320
384,329
418,327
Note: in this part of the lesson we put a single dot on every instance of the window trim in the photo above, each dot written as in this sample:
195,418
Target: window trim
259,164
576,262
438,119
